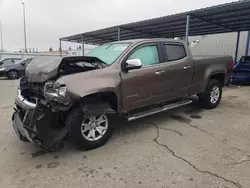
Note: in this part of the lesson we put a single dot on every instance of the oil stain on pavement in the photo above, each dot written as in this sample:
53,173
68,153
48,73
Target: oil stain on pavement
53,165
181,119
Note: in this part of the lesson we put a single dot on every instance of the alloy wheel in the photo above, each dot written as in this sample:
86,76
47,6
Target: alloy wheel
93,128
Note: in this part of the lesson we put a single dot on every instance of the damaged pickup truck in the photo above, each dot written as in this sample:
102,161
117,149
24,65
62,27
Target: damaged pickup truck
77,96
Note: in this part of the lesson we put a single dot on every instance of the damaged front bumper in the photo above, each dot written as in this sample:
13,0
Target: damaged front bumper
38,123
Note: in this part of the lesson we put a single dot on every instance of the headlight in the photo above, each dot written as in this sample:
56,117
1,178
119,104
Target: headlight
2,69
61,91
55,91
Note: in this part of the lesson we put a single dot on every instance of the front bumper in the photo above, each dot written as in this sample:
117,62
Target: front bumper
38,124
22,102
19,129
2,74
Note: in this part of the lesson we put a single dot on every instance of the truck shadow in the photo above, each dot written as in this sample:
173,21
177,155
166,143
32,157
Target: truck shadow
124,131
123,127
4,79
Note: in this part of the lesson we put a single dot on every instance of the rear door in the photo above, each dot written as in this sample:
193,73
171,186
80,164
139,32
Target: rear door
178,70
143,86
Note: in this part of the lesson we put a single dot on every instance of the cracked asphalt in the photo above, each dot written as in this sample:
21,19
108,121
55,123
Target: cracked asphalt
183,148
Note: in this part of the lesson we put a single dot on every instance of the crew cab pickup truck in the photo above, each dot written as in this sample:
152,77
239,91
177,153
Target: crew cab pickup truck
77,96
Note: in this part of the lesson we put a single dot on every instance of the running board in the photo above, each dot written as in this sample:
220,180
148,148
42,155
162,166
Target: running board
157,110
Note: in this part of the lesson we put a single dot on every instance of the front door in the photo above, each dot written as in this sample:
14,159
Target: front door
141,87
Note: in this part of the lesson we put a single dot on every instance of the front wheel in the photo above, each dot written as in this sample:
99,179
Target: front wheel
89,131
211,97
13,74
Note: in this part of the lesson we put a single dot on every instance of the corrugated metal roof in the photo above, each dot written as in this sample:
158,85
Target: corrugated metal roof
223,18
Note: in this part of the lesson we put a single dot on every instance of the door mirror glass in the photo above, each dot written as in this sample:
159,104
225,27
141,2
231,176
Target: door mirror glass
133,64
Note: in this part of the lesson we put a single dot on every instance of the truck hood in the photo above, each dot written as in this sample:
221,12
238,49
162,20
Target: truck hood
41,69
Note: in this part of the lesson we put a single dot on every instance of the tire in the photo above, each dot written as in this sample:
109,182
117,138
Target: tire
74,123
211,98
13,74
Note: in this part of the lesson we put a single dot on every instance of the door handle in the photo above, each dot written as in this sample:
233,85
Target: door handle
159,72
186,67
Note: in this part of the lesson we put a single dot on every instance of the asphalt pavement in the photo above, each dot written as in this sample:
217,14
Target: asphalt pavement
184,148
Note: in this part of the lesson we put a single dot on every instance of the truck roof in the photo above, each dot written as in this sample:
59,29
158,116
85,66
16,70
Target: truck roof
149,40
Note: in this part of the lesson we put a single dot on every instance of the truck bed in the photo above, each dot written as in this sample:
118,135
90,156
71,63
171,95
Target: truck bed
205,66
201,57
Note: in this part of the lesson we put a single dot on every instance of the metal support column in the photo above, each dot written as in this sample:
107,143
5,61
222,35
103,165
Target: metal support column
237,46
1,36
60,47
187,28
82,46
118,34
248,42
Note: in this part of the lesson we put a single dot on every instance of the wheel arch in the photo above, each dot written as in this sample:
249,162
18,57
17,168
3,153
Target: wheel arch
99,99
12,70
220,76
209,74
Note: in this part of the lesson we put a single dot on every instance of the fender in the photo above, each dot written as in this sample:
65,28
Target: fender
95,107
92,82
211,70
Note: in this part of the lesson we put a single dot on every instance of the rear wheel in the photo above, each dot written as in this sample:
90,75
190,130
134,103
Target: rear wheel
13,74
89,131
211,97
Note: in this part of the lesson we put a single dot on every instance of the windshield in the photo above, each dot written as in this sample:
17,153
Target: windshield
108,53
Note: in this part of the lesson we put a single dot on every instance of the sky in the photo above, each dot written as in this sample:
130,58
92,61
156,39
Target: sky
49,20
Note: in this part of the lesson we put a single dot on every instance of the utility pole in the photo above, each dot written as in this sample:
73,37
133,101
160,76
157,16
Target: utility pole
24,28
1,36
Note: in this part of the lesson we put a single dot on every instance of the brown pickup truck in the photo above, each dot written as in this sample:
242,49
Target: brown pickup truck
77,96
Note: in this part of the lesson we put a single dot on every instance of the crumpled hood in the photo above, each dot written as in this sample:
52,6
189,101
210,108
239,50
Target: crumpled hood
42,68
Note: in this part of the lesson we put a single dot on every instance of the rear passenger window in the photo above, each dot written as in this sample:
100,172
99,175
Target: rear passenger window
175,52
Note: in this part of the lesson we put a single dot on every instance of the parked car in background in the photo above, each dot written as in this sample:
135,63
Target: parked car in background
241,73
9,61
15,70
77,96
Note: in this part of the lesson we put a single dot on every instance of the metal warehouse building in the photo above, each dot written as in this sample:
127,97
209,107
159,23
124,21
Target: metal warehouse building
221,44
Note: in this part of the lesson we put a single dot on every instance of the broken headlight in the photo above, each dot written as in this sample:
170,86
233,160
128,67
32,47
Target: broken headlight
61,91
55,91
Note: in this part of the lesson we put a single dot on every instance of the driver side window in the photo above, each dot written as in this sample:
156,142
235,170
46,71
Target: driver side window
147,54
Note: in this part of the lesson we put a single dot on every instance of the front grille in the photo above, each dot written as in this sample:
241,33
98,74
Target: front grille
31,91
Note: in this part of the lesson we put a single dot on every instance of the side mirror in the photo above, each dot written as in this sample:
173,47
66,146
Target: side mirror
133,64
